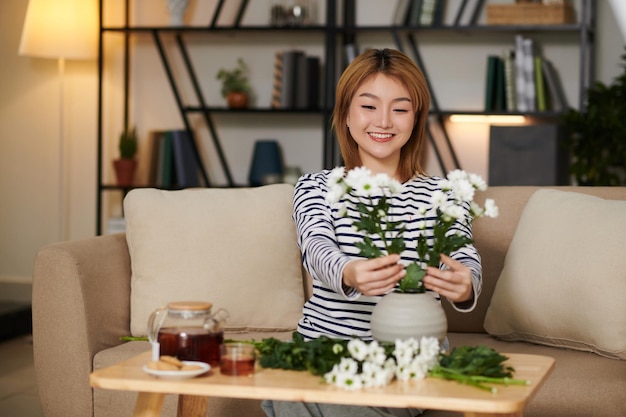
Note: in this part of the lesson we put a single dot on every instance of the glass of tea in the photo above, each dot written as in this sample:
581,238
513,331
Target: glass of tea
237,359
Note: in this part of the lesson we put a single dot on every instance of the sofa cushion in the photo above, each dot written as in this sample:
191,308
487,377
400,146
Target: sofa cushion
200,244
564,279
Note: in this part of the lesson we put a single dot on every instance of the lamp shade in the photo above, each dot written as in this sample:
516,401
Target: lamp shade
60,29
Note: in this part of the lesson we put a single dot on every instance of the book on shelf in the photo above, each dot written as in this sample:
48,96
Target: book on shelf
520,80
490,83
185,162
530,92
495,92
296,80
500,92
558,100
173,163
277,79
288,85
508,58
539,85
427,12
165,168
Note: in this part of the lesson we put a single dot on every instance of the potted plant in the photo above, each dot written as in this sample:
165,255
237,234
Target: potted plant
126,165
235,85
596,137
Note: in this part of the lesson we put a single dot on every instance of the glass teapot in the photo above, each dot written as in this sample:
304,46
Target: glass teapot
187,330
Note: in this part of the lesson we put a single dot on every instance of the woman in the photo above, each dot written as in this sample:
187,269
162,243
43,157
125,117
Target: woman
379,119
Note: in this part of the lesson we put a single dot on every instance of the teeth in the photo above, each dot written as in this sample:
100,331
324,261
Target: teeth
381,135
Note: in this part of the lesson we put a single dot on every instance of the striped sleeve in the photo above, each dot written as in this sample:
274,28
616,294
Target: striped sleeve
321,255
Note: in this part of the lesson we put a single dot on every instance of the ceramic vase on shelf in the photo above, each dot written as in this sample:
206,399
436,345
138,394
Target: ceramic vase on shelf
177,11
404,315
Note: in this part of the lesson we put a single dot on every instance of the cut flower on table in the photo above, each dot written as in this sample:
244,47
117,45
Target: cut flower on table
454,206
356,363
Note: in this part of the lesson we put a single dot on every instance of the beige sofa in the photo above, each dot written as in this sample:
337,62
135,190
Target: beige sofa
82,305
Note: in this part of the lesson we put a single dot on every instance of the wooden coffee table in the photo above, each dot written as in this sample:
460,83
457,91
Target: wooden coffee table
275,384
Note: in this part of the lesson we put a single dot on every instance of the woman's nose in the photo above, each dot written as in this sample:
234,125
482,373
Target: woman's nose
383,119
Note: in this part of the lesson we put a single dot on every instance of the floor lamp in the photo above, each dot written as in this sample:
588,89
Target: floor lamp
61,29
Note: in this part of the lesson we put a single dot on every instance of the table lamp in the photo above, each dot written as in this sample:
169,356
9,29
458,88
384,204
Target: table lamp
61,29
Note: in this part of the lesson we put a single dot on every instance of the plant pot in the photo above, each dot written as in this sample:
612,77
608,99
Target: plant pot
237,100
125,171
404,315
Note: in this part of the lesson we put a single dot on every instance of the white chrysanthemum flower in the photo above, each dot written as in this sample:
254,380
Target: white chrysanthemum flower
331,377
404,372
476,210
418,369
462,190
349,381
395,186
478,182
453,211
404,351
381,180
360,179
445,184
335,193
342,210
375,375
376,354
336,175
491,210
348,365
429,347
457,175
438,199
358,349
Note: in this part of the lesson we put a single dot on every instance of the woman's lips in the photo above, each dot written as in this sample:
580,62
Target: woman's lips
381,137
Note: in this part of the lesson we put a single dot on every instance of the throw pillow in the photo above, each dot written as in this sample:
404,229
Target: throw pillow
235,248
564,278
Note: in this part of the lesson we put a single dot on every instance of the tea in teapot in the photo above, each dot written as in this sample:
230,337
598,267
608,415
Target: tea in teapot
188,331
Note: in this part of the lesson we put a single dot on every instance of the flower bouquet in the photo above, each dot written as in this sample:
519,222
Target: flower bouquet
453,204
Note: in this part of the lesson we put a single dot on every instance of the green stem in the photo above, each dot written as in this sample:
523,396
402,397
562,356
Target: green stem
133,338
477,381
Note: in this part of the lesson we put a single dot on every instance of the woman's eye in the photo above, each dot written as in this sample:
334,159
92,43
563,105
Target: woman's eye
401,110
365,106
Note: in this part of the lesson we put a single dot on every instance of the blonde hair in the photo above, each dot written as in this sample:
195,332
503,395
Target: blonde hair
391,63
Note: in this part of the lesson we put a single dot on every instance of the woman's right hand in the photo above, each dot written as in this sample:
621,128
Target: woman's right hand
374,276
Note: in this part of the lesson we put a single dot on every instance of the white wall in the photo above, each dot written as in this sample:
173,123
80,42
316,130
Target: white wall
29,112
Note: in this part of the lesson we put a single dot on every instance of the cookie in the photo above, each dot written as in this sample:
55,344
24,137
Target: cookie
162,366
171,360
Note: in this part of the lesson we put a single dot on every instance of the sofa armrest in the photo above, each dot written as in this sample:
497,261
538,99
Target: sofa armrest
81,305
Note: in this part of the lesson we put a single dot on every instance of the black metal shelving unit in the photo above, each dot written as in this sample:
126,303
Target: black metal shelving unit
335,35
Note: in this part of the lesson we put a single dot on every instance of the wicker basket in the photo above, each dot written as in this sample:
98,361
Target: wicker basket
529,14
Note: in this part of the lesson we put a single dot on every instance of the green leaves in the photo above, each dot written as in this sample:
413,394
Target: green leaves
596,136
374,221
317,356
476,366
412,281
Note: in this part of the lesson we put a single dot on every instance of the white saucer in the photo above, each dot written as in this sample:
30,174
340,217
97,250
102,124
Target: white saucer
204,367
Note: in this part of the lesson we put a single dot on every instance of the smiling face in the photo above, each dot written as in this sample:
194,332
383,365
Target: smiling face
381,119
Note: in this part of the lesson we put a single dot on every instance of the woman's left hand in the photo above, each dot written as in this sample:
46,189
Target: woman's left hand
454,283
